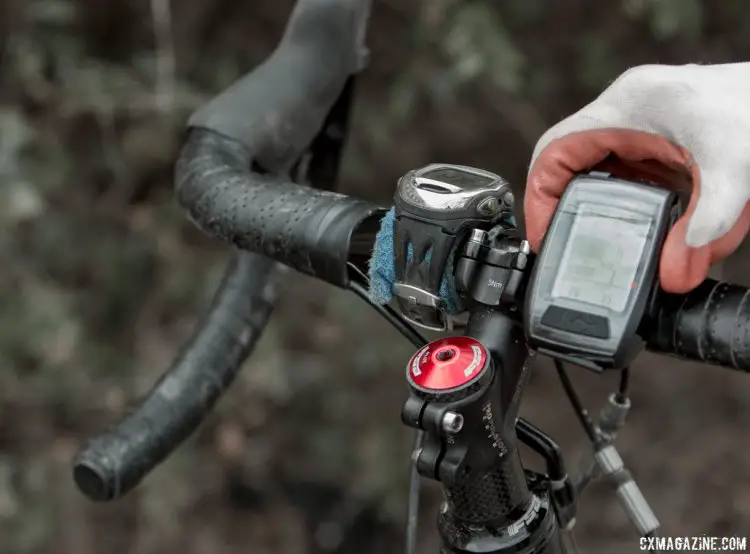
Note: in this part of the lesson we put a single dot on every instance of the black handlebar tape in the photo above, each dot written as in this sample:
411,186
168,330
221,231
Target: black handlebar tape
113,463
710,324
268,118
309,230
277,110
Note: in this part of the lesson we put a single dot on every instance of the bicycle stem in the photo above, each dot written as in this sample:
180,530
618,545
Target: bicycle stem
492,504
533,528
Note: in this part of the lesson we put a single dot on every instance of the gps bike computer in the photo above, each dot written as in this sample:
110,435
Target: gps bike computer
596,273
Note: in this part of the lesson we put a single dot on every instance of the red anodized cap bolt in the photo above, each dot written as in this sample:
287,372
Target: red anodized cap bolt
447,364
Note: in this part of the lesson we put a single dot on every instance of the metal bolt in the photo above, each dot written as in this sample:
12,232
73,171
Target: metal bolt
489,206
509,199
478,235
415,455
452,422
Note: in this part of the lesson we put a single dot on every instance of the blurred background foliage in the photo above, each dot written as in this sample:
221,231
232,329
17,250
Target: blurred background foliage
102,278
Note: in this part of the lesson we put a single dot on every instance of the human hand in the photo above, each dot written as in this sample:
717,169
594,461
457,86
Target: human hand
685,127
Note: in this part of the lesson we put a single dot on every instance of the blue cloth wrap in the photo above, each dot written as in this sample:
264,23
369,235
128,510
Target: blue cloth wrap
383,274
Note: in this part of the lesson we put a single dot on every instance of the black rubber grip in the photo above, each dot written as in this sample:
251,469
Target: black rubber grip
277,110
115,462
309,230
711,324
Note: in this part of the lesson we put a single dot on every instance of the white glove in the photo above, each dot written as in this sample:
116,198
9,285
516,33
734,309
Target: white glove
705,110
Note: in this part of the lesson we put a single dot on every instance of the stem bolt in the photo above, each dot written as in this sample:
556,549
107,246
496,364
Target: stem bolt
452,422
415,455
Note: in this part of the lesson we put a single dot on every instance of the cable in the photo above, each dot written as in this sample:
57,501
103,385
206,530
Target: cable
622,391
611,420
413,336
581,412
412,505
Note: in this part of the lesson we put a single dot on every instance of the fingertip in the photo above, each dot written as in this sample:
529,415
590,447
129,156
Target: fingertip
539,215
539,208
681,267
727,244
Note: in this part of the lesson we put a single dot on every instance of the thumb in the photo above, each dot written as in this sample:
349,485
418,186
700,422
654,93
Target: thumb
714,225
721,200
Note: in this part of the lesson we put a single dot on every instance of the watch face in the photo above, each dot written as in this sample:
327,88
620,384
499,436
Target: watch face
462,179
